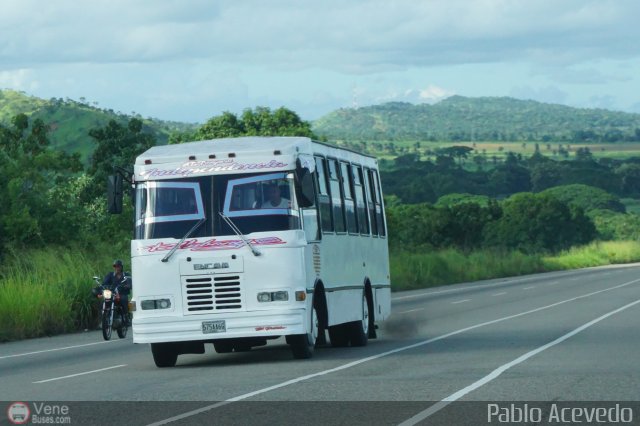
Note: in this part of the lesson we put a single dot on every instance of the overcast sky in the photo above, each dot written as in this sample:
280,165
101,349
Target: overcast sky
189,60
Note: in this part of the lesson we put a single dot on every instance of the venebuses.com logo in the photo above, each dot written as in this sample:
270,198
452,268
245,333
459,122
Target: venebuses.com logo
18,413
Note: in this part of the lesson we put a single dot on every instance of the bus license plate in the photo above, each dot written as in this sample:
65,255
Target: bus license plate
214,326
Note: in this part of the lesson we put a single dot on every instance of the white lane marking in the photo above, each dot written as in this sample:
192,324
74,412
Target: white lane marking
455,290
80,374
498,371
411,310
529,288
378,356
499,294
460,301
59,349
595,269
554,283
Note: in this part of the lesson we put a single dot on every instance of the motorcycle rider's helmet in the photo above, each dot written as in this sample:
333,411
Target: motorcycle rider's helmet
117,262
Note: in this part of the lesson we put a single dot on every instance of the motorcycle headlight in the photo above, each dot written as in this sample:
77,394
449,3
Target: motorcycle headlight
107,294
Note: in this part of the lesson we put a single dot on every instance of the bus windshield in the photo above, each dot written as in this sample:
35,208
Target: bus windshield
255,203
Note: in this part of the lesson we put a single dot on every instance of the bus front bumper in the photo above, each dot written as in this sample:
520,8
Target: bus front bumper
160,329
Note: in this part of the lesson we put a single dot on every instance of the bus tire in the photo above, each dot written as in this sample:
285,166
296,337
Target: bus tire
303,345
223,347
339,335
359,330
164,354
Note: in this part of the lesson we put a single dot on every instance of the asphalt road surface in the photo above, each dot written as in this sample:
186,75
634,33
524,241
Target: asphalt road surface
463,354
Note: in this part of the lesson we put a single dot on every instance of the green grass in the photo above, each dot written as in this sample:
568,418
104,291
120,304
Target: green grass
421,270
48,291
413,270
595,254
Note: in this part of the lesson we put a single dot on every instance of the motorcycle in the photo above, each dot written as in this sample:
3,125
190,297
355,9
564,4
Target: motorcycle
112,315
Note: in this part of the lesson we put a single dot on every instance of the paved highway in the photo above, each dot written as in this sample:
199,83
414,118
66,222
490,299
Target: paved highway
564,336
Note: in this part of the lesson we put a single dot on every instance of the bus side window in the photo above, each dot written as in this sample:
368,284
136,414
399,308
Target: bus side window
336,197
361,200
324,197
349,204
368,184
379,212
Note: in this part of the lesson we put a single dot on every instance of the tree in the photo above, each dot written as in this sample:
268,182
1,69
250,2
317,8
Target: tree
586,197
259,122
537,223
117,146
33,177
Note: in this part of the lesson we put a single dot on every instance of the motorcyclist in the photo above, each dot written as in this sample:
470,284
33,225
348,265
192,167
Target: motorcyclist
113,279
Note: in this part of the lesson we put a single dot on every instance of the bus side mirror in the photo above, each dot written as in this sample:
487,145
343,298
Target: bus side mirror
304,189
114,194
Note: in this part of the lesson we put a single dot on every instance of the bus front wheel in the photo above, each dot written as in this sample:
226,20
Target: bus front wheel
164,354
303,345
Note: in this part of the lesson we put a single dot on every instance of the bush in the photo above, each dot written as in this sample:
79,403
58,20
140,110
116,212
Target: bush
538,223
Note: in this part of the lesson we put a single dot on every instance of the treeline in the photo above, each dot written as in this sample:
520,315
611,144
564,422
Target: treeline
479,119
415,181
533,205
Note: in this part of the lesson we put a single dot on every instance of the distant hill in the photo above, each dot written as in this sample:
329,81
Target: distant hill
70,121
460,118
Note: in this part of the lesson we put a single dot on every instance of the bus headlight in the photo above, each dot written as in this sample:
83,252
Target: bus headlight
273,296
155,304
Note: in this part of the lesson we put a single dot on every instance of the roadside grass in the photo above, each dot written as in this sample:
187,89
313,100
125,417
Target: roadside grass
595,254
422,270
47,291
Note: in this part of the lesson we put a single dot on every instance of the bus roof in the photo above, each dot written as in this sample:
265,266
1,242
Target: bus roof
249,145
235,155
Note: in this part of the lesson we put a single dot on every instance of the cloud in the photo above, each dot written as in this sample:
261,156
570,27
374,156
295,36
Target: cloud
349,36
547,94
603,101
20,79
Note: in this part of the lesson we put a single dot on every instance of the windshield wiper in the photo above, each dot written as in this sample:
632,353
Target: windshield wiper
235,229
173,250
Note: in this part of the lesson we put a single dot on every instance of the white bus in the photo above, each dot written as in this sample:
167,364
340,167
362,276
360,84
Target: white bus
242,240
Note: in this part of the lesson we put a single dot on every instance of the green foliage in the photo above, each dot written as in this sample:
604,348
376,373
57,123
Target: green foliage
69,121
454,199
259,122
117,146
536,223
424,227
616,226
47,291
586,197
410,270
595,254
448,266
479,119
35,204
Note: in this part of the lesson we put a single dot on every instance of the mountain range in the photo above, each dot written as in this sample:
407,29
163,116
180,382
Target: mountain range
459,118
456,118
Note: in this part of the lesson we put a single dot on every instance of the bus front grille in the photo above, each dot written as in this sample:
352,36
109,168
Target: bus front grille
207,294
227,292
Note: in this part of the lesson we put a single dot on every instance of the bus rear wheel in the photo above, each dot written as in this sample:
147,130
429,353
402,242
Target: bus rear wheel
164,354
339,335
359,330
